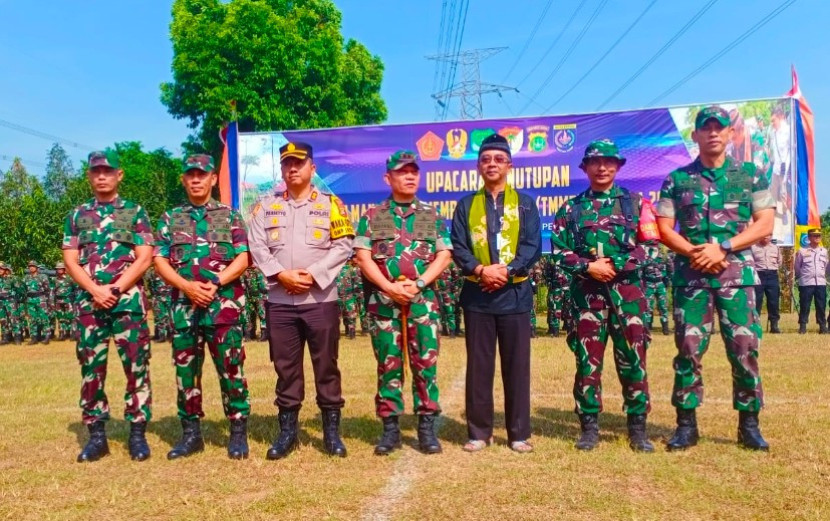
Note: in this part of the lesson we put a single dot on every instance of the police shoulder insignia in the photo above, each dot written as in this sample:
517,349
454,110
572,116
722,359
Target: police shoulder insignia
257,207
340,224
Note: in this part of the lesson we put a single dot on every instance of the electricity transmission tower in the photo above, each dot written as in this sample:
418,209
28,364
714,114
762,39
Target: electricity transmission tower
470,89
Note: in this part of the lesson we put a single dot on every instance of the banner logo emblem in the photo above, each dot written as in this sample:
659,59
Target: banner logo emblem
564,137
430,146
457,142
537,138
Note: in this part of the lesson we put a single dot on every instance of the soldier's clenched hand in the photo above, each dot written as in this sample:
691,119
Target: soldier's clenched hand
197,294
103,297
709,258
401,291
602,270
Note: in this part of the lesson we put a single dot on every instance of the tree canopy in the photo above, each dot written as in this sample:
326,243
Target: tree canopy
270,64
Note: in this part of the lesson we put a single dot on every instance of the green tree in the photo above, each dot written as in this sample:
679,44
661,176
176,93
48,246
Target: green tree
272,64
59,171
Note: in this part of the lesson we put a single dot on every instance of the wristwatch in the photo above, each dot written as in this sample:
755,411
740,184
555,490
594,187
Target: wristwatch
511,271
726,246
420,284
214,278
116,291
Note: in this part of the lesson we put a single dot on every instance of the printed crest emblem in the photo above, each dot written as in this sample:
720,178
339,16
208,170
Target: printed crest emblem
430,147
564,137
457,142
275,235
275,221
537,138
477,136
515,137
317,234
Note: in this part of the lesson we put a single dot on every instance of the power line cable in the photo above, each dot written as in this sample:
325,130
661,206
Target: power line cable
462,24
737,41
529,39
569,51
440,43
44,135
555,41
604,55
659,53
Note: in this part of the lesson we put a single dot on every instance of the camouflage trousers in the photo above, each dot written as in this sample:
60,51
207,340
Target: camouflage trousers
630,343
559,307
132,340
694,311
66,317
161,314
362,314
422,351
37,309
348,310
10,318
656,295
448,314
228,353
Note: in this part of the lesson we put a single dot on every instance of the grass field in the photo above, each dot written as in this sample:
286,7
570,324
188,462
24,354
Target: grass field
41,433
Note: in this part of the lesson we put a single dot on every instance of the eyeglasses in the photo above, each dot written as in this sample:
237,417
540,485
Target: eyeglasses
499,160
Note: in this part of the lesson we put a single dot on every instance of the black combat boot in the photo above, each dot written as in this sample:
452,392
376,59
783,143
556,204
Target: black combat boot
137,443
155,334
287,439
427,440
238,444
97,446
391,437
686,434
452,333
191,441
773,327
331,433
7,339
46,338
802,329
749,434
648,327
532,332
666,331
822,329
444,330
459,331
263,335
18,339
351,332
554,332
34,339
637,437
589,436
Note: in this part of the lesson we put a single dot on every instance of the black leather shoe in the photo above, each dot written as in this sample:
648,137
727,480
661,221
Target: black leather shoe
749,434
686,434
331,433
137,442
97,446
427,440
191,441
287,440
238,443
773,327
637,437
589,432
802,329
666,331
391,437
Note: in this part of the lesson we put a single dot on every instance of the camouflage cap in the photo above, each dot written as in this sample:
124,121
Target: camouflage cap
715,112
602,148
295,149
400,159
33,263
60,266
201,162
107,157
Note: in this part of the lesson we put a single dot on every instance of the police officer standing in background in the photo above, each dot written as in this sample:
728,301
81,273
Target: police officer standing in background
594,239
201,251
300,238
713,199
402,247
810,267
767,261
107,247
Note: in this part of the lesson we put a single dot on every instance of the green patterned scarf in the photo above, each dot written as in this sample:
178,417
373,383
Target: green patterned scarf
508,237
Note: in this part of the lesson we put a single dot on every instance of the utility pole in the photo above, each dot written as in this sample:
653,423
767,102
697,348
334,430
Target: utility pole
470,89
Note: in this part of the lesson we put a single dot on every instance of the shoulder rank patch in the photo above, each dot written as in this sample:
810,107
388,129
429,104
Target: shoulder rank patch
341,225
257,207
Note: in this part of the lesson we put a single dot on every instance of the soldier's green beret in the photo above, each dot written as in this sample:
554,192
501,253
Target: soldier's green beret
602,148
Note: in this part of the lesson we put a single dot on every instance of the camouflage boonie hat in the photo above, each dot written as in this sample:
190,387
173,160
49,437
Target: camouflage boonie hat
400,159
602,148
33,263
60,266
201,162
715,112
108,158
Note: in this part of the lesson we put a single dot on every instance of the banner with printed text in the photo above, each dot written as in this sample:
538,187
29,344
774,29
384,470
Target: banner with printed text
546,150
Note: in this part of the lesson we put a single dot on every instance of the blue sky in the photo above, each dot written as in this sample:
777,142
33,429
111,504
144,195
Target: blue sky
89,71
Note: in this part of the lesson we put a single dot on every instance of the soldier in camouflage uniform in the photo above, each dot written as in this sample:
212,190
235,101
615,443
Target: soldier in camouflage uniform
655,274
536,280
9,314
456,284
260,295
65,289
713,199
360,297
38,294
402,246
447,301
107,247
559,297
347,298
594,239
202,251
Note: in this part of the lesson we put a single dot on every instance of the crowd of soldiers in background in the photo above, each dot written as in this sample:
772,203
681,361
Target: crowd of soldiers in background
38,305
